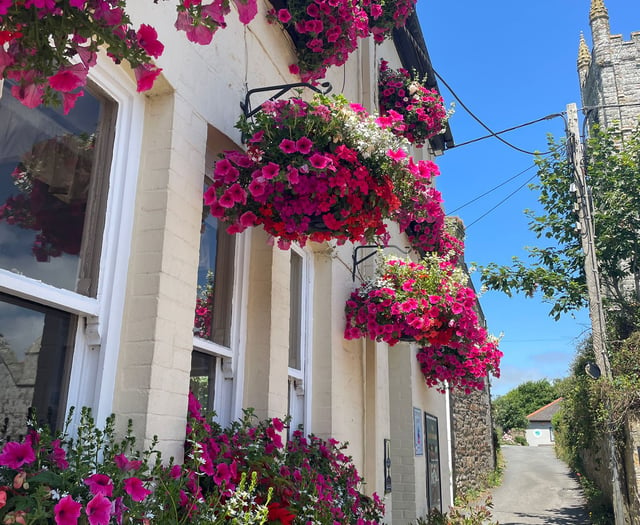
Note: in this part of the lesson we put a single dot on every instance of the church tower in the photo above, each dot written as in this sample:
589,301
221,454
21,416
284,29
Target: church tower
609,74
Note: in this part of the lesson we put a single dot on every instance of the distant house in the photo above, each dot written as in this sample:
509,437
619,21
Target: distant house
540,430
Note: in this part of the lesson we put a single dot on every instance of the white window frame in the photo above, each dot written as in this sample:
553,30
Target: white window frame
299,380
97,341
229,377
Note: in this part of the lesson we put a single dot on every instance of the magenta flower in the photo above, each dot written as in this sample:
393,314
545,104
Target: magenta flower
125,464
136,489
397,155
99,484
146,75
69,78
247,10
15,454
148,39
319,161
59,455
270,171
288,146
99,510
304,145
284,15
248,219
67,511
256,187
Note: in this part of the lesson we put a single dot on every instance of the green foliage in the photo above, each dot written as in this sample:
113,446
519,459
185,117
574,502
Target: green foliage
464,513
556,271
511,409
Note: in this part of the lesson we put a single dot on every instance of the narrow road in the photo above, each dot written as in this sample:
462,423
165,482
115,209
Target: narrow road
537,488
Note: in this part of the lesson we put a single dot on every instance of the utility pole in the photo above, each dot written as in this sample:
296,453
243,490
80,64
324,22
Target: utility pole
592,275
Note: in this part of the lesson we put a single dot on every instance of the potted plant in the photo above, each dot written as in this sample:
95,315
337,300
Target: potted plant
316,171
407,107
429,303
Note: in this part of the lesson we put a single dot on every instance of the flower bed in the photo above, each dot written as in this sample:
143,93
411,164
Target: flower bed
316,171
429,303
407,107
245,472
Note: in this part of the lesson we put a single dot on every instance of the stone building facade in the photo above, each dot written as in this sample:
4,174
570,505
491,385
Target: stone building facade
609,73
609,78
110,324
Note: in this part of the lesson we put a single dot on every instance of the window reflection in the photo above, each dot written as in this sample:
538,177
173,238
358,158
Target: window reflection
35,344
203,375
46,166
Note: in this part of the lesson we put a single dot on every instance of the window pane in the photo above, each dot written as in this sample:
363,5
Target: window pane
35,346
215,283
203,378
295,312
47,164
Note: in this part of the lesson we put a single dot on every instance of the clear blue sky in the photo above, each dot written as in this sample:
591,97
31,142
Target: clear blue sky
511,62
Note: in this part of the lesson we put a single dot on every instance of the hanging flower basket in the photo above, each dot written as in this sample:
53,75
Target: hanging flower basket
326,32
407,107
385,16
429,303
47,47
316,171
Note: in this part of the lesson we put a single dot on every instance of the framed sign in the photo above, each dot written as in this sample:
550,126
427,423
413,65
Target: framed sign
434,482
418,435
387,466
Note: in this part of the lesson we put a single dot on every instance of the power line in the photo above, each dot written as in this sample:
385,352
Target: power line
503,200
492,189
541,119
493,133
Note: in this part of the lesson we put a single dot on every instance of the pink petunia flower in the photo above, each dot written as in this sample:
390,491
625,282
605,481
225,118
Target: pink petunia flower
15,454
257,187
69,78
99,484
270,171
319,161
147,37
248,219
136,489
397,155
29,95
99,510
67,511
288,146
125,464
146,75
284,15
304,145
69,101
247,10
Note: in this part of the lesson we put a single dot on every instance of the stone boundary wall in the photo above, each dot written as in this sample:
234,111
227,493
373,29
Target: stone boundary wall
474,454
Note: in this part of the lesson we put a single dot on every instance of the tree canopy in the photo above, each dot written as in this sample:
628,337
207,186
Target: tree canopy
556,271
511,410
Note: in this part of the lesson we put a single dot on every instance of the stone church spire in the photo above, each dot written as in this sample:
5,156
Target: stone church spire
599,20
598,10
584,60
584,55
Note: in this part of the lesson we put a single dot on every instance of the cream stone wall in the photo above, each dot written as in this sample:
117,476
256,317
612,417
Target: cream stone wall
361,391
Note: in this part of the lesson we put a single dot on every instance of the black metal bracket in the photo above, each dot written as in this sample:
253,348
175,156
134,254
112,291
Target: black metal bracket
282,89
357,262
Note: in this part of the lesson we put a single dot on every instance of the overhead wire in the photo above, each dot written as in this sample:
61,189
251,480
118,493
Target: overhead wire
492,189
493,133
502,201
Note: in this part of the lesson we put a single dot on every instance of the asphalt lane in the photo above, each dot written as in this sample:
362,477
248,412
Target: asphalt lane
537,488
